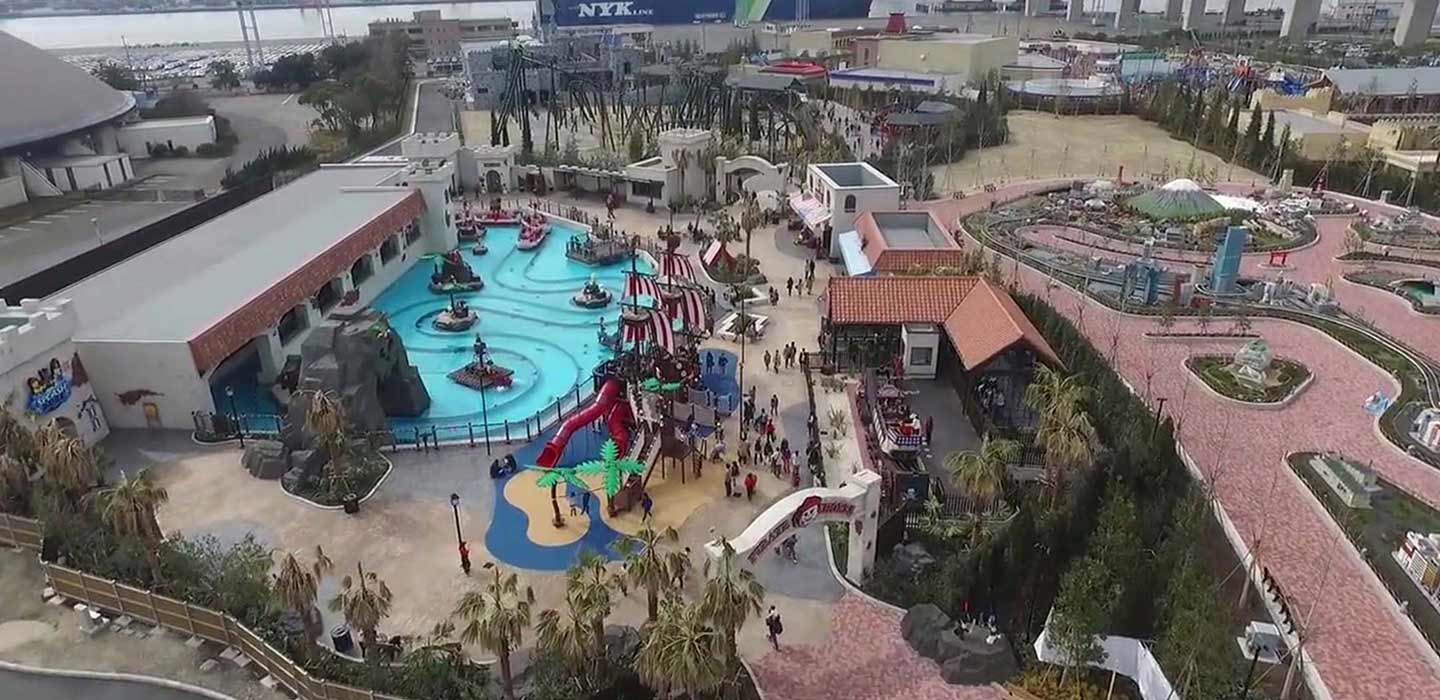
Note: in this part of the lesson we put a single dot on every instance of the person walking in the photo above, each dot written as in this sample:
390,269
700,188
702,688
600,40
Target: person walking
809,289
767,360
709,363
742,452
648,504
750,482
789,286
729,483
723,361
774,627
585,502
775,404
929,428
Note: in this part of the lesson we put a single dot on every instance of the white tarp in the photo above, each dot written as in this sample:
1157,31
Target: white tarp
1124,655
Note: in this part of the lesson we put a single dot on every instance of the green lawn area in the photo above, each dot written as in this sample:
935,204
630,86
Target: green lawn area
1213,370
1378,531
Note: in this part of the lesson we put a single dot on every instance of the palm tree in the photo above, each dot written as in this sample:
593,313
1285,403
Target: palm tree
129,506
327,421
365,601
568,636
1050,391
1069,441
682,651
69,462
496,619
613,466
297,586
730,597
982,473
592,583
552,478
14,482
727,231
647,567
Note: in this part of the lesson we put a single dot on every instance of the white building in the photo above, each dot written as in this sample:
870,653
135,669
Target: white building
1419,556
834,194
42,379
139,137
1427,428
158,329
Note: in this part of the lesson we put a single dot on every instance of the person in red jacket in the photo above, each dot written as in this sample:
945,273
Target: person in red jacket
750,482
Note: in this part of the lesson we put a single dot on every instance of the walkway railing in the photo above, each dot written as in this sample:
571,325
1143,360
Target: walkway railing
223,427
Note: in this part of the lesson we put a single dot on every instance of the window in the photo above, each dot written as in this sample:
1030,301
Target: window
328,296
388,250
292,323
412,234
849,203
361,270
922,357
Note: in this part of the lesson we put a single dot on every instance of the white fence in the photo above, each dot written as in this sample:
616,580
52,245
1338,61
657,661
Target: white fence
1124,655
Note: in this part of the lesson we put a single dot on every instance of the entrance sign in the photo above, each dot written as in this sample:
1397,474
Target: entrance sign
856,502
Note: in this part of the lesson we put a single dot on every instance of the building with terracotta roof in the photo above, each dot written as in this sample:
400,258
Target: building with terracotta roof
963,329
894,242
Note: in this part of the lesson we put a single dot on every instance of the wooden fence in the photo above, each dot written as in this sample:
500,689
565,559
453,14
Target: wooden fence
182,617
20,532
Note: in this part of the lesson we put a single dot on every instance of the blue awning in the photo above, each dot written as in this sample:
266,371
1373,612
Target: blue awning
856,264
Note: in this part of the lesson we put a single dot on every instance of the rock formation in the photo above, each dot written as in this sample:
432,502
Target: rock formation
965,659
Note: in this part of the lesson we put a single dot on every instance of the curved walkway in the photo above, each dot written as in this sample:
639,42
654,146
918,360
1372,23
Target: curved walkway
1363,647
53,686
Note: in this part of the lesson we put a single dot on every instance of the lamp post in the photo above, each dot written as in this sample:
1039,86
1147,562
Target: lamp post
459,539
235,415
1158,411
95,224
480,351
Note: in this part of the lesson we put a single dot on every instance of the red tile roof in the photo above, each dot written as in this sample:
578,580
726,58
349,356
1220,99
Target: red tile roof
894,300
987,322
899,260
980,318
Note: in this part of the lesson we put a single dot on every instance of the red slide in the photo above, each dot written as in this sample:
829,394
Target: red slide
618,422
609,394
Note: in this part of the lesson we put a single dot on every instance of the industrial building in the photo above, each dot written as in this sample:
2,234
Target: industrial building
958,58
438,40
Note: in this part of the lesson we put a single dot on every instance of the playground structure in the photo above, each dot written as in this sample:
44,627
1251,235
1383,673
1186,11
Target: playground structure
650,397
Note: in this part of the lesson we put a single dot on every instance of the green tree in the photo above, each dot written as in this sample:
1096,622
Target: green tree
1267,139
682,651
1232,131
1065,430
496,619
730,596
1193,640
116,75
577,636
364,601
982,473
1212,133
128,507
648,566
223,75
1251,144
1082,608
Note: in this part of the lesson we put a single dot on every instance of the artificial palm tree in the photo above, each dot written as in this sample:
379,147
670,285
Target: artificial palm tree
297,586
613,466
650,568
364,601
552,478
682,651
731,595
982,473
496,619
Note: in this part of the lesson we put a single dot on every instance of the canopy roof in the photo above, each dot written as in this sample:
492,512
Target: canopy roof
46,97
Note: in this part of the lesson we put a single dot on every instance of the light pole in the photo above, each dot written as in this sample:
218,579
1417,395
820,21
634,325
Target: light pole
480,352
235,415
1158,411
455,506
95,224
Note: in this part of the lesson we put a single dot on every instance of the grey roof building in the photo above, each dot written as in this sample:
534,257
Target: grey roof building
1384,90
46,98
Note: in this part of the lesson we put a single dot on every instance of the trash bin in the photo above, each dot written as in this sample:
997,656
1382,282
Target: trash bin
340,639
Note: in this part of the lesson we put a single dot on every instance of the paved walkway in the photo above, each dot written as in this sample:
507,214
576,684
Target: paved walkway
862,657
1361,643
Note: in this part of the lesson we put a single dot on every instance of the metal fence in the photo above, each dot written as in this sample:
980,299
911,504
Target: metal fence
179,616
222,427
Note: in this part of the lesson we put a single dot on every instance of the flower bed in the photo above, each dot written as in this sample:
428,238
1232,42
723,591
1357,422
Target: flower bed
367,469
1214,371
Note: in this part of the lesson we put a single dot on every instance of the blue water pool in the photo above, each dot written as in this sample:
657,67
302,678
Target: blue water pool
526,319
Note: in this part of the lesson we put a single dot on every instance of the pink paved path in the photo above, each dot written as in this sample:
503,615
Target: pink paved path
1362,646
863,658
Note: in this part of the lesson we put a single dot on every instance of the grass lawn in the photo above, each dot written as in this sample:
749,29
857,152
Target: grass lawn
1378,531
1213,370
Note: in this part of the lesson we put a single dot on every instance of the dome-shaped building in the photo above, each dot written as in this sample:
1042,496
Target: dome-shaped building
56,118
